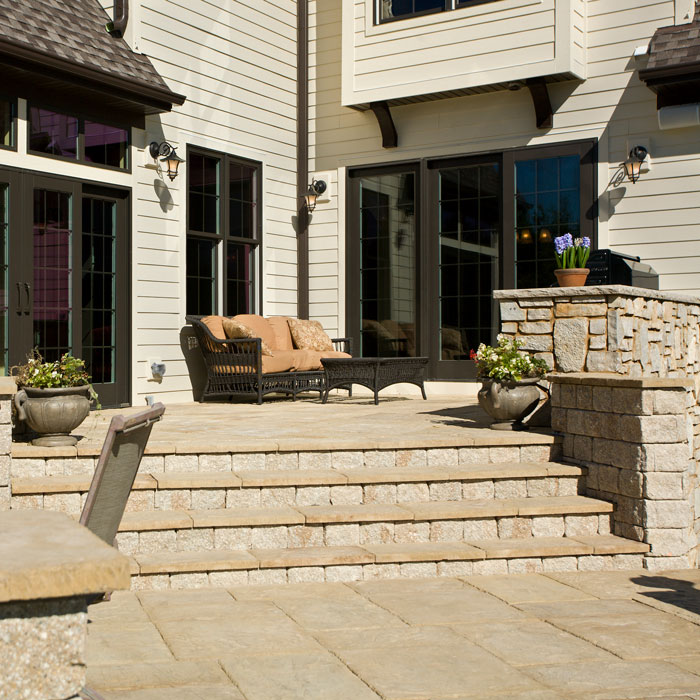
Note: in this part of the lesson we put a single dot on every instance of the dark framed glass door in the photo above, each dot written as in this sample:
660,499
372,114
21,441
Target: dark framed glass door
67,287
465,257
383,262
472,224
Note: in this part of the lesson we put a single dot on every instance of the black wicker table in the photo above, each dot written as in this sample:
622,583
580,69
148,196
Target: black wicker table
375,373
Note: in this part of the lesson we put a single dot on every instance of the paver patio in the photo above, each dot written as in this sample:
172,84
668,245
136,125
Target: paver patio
342,423
573,635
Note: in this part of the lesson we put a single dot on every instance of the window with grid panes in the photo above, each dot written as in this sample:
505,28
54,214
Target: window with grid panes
224,233
389,10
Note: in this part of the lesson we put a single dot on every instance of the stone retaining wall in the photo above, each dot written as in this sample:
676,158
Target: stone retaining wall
8,388
50,566
635,439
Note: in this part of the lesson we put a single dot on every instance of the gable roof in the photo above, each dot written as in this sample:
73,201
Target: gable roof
68,37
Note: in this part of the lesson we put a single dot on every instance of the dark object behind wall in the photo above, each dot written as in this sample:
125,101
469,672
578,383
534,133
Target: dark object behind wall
609,267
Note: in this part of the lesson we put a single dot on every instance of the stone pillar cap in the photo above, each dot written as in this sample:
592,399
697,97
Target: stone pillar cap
48,555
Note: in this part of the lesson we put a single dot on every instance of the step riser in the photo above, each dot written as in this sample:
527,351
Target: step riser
348,534
367,572
268,497
158,463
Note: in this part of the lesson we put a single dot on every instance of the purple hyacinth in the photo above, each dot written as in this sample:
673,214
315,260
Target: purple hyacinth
561,244
586,242
569,240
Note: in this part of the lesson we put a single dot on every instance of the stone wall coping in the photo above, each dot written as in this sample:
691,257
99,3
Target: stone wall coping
45,554
593,291
8,386
615,380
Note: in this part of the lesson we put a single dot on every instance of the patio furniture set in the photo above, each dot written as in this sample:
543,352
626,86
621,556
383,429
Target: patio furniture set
249,355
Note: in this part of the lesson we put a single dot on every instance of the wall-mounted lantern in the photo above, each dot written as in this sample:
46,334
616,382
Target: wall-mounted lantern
633,165
167,155
316,188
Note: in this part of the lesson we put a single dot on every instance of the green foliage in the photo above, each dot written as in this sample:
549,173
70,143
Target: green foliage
507,361
66,372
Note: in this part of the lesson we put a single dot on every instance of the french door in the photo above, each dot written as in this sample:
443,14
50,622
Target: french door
65,276
429,241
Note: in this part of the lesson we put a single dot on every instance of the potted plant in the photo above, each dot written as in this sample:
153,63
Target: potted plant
509,389
571,255
53,397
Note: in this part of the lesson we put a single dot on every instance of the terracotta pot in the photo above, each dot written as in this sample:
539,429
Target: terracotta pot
571,276
53,413
508,402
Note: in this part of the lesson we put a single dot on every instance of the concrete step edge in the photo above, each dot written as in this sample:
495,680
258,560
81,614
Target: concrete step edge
475,550
303,477
404,512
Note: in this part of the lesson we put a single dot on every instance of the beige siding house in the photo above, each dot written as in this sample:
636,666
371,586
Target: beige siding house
457,139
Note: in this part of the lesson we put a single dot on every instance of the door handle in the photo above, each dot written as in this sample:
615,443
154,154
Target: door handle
19,298
28,305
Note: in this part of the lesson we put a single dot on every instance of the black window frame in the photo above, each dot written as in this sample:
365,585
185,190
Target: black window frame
448,5
427,239
80,154
223,236
12,101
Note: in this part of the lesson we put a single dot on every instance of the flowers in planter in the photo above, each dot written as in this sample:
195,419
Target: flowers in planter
571,252
507,361
69,371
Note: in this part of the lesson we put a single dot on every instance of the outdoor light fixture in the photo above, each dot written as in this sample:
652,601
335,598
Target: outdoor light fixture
545,235
316,188
633,165
525,236
168,155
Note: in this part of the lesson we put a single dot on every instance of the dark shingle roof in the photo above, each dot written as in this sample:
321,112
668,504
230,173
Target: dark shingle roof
676,46
74,31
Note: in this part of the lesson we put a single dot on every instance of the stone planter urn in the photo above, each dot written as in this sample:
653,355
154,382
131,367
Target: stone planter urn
53,413
508,401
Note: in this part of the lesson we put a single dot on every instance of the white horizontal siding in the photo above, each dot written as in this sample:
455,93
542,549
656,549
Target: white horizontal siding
236,64
658,218
461,48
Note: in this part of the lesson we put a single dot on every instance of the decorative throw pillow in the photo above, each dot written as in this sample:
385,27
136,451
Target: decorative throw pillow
236,329
309,335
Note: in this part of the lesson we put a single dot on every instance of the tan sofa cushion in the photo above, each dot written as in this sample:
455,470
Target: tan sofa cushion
281,361
215,325
280,327
297,360
236,329
309,335
259,326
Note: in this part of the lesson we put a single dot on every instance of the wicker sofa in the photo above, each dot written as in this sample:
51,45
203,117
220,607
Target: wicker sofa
238,367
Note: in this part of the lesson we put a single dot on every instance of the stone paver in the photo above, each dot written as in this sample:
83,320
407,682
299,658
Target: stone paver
351,424
585,636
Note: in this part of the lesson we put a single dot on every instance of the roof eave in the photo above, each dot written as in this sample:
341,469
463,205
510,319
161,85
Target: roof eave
150,98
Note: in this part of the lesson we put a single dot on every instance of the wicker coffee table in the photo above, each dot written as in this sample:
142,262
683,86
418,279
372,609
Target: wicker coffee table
375,373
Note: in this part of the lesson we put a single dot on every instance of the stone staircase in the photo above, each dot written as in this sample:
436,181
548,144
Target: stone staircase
235,518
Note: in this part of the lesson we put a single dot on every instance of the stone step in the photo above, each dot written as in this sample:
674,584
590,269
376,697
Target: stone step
354,563
490,447
307,526
265,488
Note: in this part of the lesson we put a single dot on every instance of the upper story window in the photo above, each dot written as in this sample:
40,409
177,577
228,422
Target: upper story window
68,136
388,10
7,123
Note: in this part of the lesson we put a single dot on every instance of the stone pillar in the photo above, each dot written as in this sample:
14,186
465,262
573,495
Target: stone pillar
50,566
8,388
635,437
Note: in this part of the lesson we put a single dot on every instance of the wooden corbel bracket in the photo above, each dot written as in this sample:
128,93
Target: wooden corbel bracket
386,123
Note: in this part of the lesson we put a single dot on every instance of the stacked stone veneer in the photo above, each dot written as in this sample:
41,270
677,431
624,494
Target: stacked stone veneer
619,430
50,567
635,440
8,388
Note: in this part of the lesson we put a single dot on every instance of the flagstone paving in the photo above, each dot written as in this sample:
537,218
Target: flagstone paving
592,636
